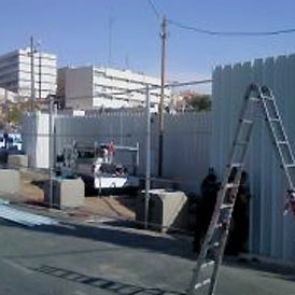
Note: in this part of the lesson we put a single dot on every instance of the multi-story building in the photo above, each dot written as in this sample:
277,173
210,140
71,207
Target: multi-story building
91,87
15,73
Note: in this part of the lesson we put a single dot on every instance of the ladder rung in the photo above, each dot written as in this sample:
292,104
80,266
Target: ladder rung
290,165
254,98
226,206
247,121
231,185
282,142
202,284
268,97
274,120
207,264
219,225
236,165
214,245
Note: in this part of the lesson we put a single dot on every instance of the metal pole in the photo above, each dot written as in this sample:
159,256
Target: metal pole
137,157
161,104
33,95
40,74
54,153
148,158
51,148
6,116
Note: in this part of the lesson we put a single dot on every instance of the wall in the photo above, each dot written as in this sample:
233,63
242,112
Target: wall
35,139
272,234
186,140
78,86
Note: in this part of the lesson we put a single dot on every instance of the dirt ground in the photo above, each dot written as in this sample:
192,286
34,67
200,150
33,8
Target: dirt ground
120,207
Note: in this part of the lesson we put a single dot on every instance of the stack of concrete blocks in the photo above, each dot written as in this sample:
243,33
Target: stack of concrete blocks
66,193
168,210
18,161
9,181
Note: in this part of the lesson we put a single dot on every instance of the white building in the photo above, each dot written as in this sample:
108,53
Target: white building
90,87
15,73
6,95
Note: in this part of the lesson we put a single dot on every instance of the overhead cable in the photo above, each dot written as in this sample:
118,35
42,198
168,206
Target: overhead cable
230,33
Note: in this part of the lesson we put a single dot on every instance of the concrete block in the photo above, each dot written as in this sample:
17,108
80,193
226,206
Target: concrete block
67,193
167,209
9,181
18,161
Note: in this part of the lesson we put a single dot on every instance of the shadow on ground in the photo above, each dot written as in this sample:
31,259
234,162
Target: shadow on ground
270,270
142,241
125,237
101,283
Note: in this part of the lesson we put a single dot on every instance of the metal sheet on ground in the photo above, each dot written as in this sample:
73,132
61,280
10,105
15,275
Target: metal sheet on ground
24,218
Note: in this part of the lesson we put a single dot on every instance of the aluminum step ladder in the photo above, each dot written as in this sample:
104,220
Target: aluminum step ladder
256,98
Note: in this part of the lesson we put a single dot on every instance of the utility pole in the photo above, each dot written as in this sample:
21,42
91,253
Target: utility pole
147,158
52,148
163,36
33,94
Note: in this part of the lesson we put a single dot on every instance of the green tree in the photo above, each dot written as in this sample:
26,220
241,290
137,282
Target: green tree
201,102
14,115
197,101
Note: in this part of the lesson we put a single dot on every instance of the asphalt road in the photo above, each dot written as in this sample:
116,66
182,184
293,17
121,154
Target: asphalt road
106,259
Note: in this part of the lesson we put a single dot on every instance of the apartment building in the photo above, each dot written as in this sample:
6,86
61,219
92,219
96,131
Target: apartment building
15,73
90,87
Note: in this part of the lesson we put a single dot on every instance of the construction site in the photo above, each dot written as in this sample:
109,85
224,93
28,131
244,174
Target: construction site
150,198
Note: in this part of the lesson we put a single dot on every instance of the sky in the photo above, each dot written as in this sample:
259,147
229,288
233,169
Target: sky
78,32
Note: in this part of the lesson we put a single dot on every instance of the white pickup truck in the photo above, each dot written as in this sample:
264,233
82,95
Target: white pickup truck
97,166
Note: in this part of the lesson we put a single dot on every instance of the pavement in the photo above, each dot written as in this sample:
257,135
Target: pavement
111,258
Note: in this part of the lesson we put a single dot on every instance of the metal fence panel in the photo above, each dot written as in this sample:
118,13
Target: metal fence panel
186,140
271,234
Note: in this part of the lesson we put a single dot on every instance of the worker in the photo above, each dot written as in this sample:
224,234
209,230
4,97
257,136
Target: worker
290,205
111,152
239,230
209,190
6,140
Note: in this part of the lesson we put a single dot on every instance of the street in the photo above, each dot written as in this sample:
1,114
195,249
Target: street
110,259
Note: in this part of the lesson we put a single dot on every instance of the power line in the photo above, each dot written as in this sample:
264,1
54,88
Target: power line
220,33
154,8
230,33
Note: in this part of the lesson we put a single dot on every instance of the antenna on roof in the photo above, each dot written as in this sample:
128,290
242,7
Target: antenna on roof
110,28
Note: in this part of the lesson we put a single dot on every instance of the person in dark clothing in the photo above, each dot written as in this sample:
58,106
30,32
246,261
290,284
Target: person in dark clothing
6,140
239,231
209,190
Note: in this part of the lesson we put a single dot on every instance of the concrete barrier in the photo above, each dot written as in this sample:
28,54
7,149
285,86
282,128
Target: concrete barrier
18,161
9,181
67,193
168,210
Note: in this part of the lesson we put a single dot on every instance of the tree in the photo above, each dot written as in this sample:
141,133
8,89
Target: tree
14,115
197,101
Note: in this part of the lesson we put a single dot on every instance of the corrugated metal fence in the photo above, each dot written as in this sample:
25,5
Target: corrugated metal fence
186,140
271,234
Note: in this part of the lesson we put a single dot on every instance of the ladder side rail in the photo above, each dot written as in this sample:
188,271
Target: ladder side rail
227,225
277,145
222,192
267,92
